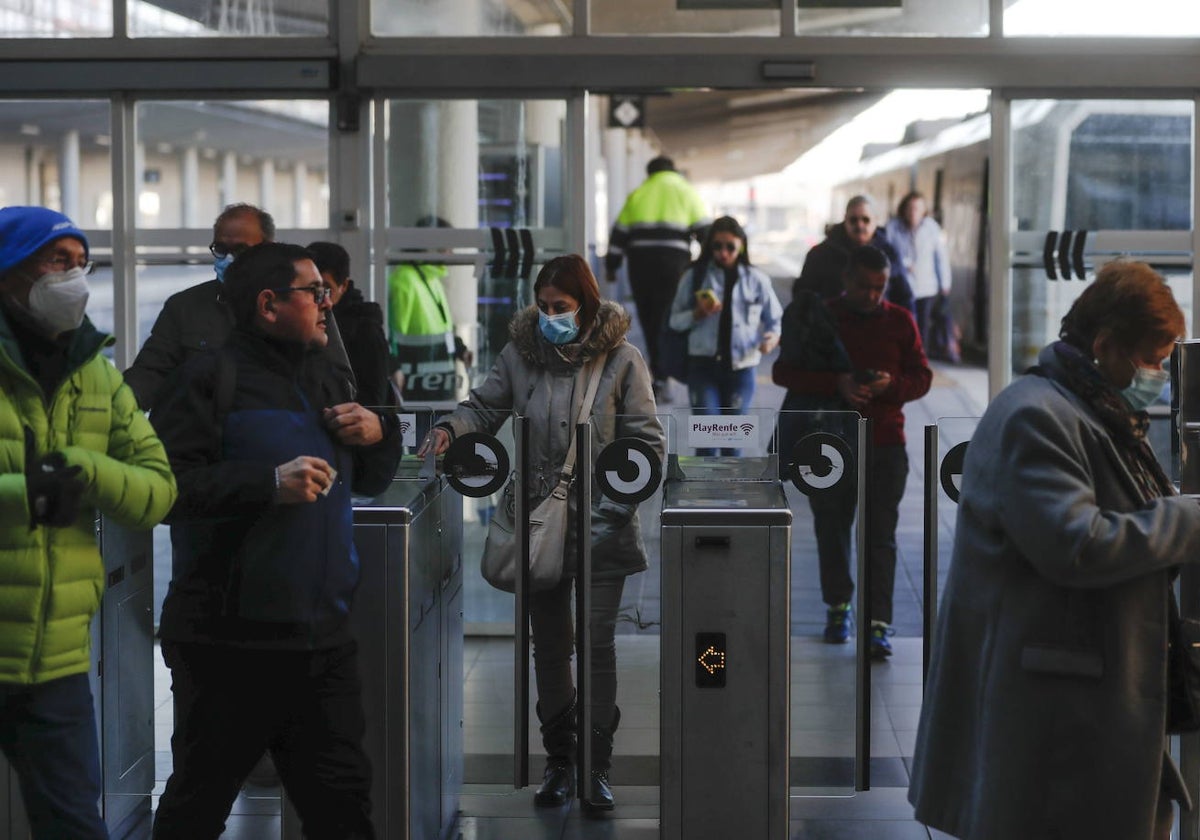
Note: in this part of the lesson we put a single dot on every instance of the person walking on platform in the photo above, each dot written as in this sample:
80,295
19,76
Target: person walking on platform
887,370
72,442
919,242
1046,708
361,324
535,375
423,342
199,318
730,312
654,231
255,624
825,263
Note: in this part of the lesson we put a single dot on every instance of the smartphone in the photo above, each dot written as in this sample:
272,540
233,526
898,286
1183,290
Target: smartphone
866,377
707,296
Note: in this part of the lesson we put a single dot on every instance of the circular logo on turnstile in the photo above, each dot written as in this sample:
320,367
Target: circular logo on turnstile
951,470
628,471
476,465
819,462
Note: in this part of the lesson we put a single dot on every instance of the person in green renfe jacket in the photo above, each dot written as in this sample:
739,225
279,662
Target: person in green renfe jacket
72,441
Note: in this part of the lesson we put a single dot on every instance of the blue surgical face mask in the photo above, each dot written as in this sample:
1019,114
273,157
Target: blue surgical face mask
1146,387
221,264
559,329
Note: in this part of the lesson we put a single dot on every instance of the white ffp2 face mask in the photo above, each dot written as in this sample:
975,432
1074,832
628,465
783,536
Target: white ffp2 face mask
58,300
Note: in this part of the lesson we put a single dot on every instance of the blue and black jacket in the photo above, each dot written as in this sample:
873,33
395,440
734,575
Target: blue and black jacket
246,570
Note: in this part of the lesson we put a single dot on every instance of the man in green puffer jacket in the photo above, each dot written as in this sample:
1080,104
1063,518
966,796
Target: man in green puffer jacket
72,441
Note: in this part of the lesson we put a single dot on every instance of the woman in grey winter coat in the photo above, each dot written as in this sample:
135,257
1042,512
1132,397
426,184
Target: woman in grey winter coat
535,377
1045,710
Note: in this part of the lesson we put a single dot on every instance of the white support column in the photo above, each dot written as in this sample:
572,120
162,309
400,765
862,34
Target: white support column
616,157
299,190
266,189
1000,246
578,214
189,193
458,191
68,174
229,179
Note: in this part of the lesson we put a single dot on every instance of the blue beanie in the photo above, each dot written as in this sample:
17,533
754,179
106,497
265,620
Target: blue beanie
24,230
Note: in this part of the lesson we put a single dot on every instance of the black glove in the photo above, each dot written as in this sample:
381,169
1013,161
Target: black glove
55,490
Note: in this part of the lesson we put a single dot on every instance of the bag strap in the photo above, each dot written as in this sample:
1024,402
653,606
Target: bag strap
593,370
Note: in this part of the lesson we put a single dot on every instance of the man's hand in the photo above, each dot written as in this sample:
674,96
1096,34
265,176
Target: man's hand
856,396
769,342
353,425
881,382
303,480
437,442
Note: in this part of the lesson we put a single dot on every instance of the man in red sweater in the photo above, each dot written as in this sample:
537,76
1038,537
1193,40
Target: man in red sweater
888,369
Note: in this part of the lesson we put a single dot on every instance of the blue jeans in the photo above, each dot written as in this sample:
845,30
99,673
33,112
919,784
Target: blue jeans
715,389
48,735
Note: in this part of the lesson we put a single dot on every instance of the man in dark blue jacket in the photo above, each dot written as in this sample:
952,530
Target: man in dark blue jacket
255,623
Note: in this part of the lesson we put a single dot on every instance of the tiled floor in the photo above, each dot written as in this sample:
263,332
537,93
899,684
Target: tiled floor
823,804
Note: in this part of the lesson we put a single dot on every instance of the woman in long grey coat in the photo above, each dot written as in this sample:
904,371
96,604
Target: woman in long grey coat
1045,710
535,376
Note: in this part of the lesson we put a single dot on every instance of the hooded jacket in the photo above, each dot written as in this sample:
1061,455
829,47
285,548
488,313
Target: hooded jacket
51,579
532,378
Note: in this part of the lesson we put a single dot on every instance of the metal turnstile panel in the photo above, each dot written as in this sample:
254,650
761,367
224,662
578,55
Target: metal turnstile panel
726,643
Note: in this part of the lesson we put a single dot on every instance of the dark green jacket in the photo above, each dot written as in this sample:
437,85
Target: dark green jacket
51,578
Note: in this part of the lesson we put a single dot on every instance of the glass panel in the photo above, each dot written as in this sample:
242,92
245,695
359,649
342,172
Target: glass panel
1154,18
818,461
1105,167
194,158
627,469
892,17
685,17
466,164
56,154
234,18
59,19
451,18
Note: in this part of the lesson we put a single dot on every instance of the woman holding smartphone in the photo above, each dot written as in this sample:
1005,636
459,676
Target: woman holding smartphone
732,318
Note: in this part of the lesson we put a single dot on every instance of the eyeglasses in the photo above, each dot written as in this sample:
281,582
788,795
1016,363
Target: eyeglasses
64,262
320,293
859,220
220,250
725,246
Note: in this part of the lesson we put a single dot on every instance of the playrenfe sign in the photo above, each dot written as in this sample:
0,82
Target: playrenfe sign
727,430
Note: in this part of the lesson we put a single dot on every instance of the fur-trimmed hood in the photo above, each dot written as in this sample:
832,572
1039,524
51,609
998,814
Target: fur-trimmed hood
609,330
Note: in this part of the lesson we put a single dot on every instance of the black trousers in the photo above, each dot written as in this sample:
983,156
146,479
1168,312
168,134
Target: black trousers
654,273
231,703
833,518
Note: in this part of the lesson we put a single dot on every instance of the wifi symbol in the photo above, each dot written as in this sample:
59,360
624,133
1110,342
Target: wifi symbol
405,426
747,428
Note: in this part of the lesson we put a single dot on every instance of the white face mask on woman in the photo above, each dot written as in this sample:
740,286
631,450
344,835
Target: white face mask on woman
57,300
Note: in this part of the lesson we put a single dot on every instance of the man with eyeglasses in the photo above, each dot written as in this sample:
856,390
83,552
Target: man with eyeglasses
826,262
255,623
199,318
72,441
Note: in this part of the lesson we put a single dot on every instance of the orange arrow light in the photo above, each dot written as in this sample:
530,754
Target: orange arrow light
712,660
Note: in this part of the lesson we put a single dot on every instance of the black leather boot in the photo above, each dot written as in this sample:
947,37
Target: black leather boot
558,737
600,796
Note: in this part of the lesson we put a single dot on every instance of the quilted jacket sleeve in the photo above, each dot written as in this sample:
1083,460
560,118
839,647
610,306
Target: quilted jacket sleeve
131,481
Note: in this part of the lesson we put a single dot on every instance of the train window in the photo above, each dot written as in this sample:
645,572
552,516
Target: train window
221,18
1154,18
1094,180
463,18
